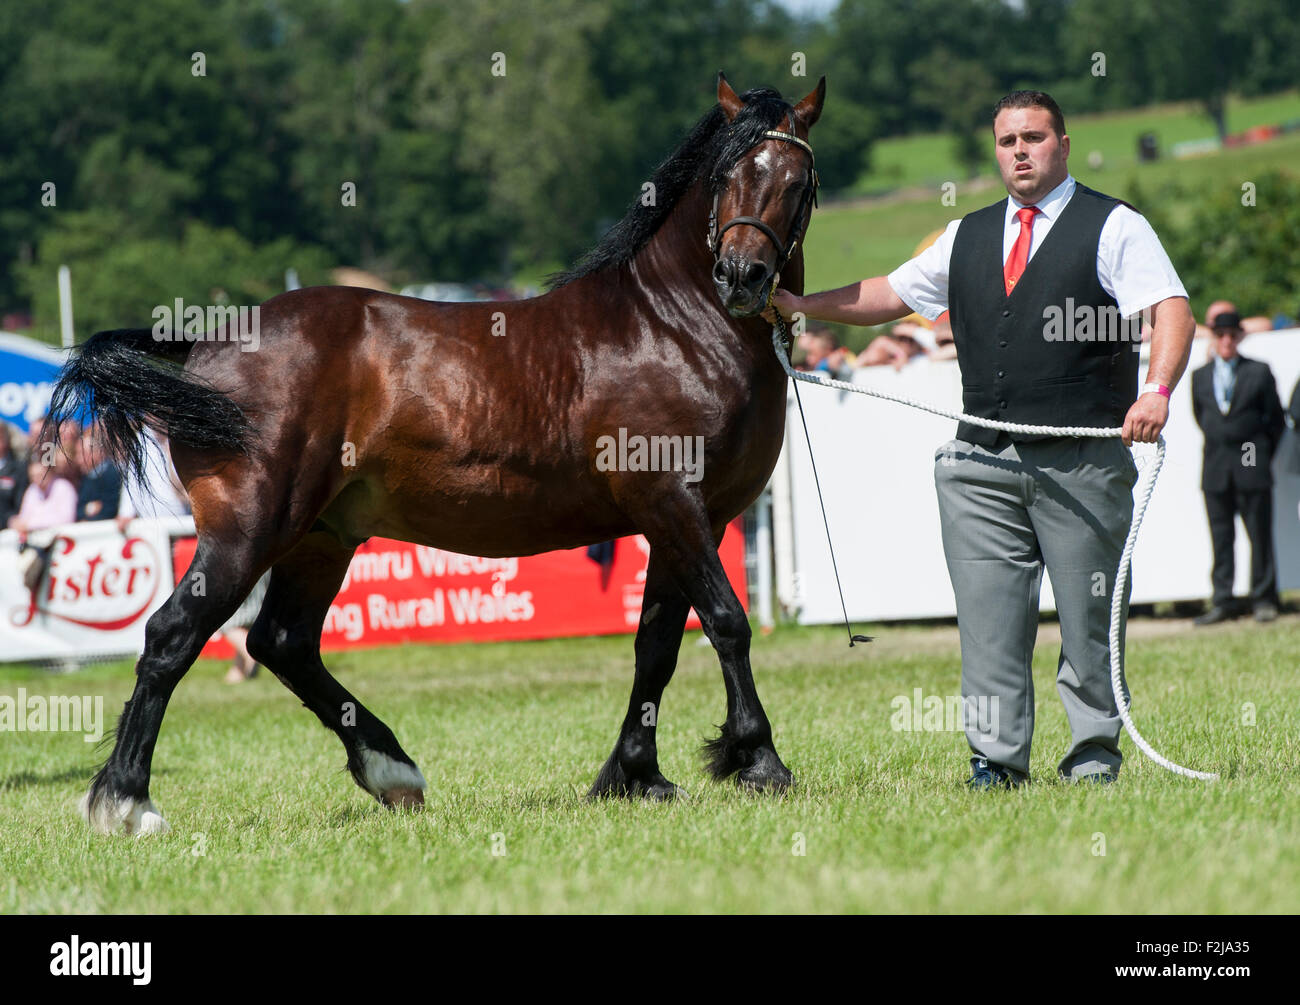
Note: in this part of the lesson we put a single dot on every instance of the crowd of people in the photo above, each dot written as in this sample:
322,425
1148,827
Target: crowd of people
905,341
45,484
819,349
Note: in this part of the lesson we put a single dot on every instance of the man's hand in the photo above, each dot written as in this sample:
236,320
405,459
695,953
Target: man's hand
1146,419
783,301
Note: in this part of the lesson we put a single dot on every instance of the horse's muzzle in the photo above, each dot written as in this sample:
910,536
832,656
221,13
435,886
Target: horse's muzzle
741,285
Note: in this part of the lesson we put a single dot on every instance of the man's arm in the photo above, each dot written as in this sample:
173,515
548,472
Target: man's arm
1172,328
869,302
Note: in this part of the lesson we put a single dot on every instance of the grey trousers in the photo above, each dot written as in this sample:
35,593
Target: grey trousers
1064,504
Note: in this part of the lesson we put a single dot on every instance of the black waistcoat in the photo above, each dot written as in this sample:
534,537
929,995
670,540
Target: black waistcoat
1054,352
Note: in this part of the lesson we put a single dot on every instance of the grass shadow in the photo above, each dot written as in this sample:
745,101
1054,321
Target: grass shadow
32,779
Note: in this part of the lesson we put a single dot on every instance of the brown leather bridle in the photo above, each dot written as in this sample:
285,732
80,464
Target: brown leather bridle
784,251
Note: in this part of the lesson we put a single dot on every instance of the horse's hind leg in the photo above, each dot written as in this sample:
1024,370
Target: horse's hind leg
286,637
218,580
633,767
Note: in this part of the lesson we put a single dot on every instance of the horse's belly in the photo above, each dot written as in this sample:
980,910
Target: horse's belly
492,524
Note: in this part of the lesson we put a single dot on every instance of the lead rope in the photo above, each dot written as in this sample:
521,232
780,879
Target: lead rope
780,342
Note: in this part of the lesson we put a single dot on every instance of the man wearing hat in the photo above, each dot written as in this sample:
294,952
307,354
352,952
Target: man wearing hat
1237,407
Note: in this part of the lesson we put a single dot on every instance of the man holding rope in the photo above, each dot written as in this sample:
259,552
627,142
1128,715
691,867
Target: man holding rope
1039,342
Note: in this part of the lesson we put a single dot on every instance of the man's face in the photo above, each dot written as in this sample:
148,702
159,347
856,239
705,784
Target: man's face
1226,341
1030,155
90,454
819,347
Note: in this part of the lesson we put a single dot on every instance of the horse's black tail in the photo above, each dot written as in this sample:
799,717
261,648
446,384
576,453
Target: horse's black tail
126,380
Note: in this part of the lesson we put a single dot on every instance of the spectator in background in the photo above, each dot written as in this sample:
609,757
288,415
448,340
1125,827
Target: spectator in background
822,353
1206,332
50,499
159,492
1283,320
61,457
235,631
1237,407
13,473
895,347
945,346
1290,462
66,456
100,492
1250,325
913,336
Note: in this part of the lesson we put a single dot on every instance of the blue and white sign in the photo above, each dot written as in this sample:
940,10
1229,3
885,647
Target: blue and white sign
28,371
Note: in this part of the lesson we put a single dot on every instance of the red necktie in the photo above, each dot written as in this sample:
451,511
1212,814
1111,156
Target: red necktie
1019,257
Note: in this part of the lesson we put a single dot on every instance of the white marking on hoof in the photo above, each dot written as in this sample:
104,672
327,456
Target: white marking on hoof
382,775
130,816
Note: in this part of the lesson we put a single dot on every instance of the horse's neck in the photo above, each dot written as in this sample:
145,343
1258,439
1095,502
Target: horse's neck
676,261
676,266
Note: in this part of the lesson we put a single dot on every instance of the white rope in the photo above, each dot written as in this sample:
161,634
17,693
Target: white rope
1121,576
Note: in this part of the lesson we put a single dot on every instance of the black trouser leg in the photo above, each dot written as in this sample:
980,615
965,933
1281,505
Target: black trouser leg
1220,508
1256,509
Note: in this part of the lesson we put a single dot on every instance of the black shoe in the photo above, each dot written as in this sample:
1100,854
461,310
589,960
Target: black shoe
990,776
1265,612
1095,778
1213,616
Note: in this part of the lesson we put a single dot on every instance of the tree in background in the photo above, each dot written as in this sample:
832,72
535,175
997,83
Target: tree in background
119,280
1226,245
376,133
961,92
1183,50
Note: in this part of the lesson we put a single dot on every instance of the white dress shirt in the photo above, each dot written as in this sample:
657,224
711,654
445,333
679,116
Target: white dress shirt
1225,382
1132,265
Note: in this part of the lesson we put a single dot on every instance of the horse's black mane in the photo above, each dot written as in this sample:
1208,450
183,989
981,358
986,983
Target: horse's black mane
713,145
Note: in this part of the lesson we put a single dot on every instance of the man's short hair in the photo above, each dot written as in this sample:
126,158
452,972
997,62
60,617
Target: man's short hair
1033,99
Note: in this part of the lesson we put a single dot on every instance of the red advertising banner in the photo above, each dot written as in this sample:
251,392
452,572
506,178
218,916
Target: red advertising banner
396,592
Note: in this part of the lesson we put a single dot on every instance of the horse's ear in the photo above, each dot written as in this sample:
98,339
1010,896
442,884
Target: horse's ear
810,108
727,98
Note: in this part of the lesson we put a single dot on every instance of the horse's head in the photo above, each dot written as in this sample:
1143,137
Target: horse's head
762,205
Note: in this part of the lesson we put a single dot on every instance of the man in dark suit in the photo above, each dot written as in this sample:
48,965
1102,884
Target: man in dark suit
1238,410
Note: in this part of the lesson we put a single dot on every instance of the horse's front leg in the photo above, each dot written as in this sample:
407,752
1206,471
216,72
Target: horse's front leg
679,531
633,767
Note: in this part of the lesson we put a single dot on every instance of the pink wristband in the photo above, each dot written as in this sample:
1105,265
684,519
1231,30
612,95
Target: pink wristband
1157,388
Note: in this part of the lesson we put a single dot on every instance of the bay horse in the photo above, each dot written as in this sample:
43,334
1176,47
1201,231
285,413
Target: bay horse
474,427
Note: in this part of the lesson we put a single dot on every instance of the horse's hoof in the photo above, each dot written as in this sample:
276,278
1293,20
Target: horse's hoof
661,791
613,784
402,799
766,774
396,784
136,817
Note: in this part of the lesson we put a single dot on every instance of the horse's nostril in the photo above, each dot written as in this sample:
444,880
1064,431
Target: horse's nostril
756,274
724,273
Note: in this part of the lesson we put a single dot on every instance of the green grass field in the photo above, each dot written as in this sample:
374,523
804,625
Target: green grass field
509,736
927,160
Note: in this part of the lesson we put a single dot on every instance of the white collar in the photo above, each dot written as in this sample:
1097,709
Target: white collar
1050,205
